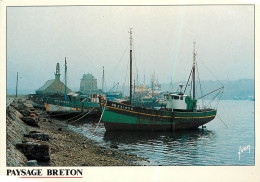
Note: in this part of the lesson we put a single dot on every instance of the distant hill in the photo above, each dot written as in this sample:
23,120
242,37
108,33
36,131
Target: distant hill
238,89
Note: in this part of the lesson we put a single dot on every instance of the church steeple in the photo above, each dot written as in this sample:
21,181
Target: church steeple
57,74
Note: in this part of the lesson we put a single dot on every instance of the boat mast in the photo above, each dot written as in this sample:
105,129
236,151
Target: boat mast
171,85
103,79
65,79
134,96
193,70
131,44
153,84
137,80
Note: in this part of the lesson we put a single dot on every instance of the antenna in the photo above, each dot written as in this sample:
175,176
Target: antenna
131,38
181,85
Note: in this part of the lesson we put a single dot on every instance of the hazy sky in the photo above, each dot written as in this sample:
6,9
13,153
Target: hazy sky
95,36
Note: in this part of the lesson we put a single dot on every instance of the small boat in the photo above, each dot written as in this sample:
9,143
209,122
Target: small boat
180,111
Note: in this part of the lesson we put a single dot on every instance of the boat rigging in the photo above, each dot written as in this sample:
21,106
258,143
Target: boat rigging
180,112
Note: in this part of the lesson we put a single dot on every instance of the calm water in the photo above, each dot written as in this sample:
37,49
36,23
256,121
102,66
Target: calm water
215,145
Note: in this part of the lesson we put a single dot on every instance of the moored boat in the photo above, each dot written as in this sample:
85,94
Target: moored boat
38,100
61,107
72,103
177,114
180,111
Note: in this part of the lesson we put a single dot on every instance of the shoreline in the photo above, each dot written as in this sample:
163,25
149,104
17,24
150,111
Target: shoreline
67,147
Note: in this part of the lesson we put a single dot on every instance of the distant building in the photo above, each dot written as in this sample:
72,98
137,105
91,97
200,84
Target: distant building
54,86
88,84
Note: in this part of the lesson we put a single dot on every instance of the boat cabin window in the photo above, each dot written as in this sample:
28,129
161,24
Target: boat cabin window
175,97
181,98
166,96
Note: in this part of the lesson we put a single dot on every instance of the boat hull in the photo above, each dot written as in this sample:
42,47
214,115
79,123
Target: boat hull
38,104
59,108
122,117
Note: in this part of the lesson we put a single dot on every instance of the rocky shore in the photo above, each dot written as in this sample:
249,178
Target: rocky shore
30,137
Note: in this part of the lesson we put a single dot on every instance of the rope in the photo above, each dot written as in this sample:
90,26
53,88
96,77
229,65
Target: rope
74,116
187,82
220,98
213,98
119,61
99,120
190,87
100,117
211,72
200,84
84,115
126,73
222,121
135,60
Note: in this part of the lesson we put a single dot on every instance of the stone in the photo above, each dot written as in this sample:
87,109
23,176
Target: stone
35,151
24,112
30,121
114,146
38,136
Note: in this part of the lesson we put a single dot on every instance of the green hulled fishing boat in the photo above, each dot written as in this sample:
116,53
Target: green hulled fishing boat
60,107
180,111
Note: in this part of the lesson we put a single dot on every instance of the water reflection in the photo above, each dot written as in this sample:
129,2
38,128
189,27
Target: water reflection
164,148
135,137
216,145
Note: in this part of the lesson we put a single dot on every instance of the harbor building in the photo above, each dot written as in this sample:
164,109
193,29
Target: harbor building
54,86
88,84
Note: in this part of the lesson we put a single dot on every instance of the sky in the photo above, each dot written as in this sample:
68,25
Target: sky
91,37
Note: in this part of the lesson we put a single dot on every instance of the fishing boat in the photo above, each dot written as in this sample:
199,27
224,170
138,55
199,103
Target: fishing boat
180,111
72,103
72,106
38,100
